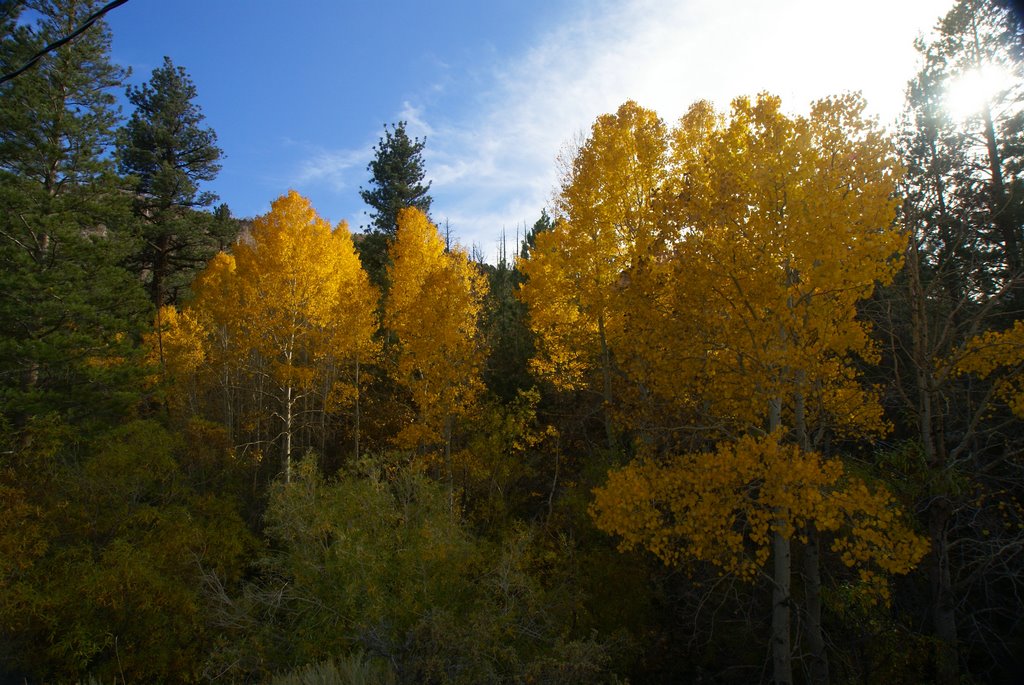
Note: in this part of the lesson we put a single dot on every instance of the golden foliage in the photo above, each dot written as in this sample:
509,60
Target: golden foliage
178,345
288,297
433,308
999,353
608,221
292,303
741,309
784,225
723,506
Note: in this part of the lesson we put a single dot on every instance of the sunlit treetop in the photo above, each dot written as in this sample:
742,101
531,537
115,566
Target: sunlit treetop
785,224
433,310
608,220
292,293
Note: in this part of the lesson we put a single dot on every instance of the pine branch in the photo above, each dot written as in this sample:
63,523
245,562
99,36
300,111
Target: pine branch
92,19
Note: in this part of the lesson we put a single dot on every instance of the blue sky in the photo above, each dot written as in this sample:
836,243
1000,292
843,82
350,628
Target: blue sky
298,93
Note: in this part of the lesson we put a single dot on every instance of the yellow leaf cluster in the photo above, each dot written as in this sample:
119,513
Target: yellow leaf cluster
720,264
608,221
285,299
566,337
999,353
784,225
724,506
433,308
292,301
179,344
182,341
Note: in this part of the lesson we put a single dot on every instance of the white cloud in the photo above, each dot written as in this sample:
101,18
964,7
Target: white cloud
416,127
331,167
495,166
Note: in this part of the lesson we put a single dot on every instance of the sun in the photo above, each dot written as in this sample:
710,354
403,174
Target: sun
969,92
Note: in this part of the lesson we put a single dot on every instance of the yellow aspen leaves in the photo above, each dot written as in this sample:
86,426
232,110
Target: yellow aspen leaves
179,343
293,293
292,305
610,192
999,353
433,308
288,287
607,221
566,336
729,291
723,506
785,224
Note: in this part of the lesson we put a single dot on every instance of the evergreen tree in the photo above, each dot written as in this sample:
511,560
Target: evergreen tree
396,178
504,321
544,223
976,41
67,309
964,215
396,182
166,149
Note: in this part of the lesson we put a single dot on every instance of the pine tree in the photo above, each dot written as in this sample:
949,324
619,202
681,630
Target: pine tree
68,311
544,223
505,321
964,216
397,175
168,153
396,182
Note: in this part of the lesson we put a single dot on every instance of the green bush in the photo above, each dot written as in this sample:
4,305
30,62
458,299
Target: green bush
377,560
354,669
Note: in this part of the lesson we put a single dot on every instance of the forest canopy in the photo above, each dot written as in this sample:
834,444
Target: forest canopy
743,406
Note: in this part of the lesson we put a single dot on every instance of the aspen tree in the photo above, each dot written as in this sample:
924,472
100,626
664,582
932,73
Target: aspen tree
433,310
750,320
608,221
291,304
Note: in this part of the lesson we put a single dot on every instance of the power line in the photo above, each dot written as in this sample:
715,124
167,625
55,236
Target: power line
93,18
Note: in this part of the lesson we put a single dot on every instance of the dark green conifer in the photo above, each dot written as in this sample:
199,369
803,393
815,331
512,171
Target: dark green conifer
69,313
169,154
396,180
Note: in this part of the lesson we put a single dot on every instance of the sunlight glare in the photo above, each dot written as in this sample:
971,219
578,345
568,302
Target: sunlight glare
967,93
